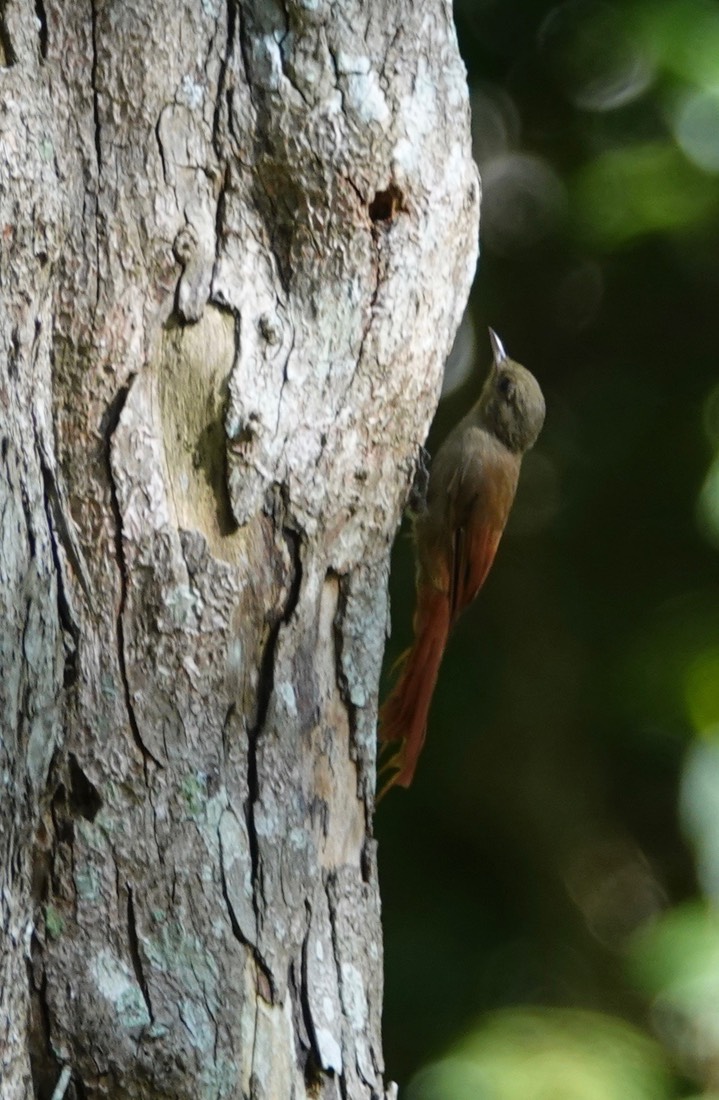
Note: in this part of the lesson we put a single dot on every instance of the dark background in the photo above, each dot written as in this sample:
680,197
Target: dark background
548,881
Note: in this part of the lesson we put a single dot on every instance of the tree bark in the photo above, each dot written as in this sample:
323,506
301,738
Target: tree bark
236,243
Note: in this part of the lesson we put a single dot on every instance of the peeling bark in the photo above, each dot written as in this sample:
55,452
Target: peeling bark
236,241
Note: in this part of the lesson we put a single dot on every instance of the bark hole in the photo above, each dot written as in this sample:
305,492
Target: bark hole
62,820
8,56
85,799
386,204
41,27
44,1066
314,1075
13,356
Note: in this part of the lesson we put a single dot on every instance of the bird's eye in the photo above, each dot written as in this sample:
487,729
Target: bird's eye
505,385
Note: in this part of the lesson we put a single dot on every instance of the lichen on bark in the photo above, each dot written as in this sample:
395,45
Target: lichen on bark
228,301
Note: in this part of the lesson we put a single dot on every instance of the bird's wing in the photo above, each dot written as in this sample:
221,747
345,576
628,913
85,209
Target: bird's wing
479,500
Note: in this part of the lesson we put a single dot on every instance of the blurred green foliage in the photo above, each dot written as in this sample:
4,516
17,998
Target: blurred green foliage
647,188
550,881
538,1055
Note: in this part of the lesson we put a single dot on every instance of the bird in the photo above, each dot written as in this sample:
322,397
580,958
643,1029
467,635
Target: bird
471,488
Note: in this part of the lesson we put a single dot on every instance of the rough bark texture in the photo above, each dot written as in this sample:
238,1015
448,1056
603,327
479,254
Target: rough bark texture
236,240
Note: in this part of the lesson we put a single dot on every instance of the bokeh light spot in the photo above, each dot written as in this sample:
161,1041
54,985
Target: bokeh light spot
593,54
702,690
696,128
523,200
495,123
614,886
708,505
462,357
711,417
677,960
699,808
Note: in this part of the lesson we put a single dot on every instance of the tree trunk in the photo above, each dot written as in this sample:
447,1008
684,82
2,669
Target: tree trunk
236,243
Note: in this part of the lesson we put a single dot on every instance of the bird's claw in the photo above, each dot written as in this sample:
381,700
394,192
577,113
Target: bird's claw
393,764
417,501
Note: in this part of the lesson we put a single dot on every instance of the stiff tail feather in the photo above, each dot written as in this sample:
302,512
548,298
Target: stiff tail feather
403,717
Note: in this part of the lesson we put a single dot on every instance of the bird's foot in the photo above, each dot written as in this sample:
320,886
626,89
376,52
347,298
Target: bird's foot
417,500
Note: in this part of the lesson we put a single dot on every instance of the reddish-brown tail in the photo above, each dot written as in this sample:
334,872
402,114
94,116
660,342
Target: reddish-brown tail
403,717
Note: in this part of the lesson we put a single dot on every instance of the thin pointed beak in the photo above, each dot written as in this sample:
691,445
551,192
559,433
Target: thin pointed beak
497,348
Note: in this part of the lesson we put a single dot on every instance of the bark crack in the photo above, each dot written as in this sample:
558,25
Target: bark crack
223,89
285,60
94,83
345,692
245,52
329,883
378,278
220,227
60,530
264,695
60,533
44,1064
267,661
161,147
234,924
113,419
135,956
284,382
313,1069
